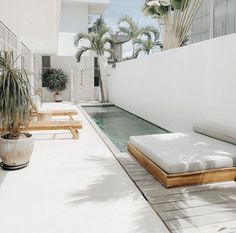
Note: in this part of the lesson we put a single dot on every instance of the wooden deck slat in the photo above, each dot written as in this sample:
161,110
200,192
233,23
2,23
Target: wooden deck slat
195,195
141,177
198,211
161,191
201,220
188,204
225,227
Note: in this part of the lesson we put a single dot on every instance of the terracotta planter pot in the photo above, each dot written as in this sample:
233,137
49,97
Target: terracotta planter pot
15,154
58,97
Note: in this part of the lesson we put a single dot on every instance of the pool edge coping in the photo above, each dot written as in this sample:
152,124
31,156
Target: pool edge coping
102,135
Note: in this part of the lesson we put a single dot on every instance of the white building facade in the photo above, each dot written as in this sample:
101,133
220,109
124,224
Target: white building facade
43,33
215,18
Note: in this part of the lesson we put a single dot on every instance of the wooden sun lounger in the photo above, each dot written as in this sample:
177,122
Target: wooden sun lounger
72,126
182,179
42,113
47,114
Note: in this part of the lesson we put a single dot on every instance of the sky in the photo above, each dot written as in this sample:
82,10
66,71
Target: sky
133,8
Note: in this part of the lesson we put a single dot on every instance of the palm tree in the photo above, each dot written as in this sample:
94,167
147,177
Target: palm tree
133,31
146,46
175,18
98,25
100,43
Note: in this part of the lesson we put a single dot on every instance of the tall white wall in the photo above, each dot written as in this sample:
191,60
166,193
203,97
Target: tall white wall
74,17
178,87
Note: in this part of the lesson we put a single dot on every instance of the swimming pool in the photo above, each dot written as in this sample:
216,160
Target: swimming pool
119,124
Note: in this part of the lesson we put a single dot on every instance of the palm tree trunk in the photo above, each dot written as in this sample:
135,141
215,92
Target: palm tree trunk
101,81
133,49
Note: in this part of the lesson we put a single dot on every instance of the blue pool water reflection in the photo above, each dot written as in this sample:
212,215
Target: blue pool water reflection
119,125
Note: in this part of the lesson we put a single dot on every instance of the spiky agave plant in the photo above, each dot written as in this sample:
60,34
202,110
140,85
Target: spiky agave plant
175,18
15,97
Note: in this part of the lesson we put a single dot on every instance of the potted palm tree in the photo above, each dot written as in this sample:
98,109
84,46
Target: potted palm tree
16,146
55,80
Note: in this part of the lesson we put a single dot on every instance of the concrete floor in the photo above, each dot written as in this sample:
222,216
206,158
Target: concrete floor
73,186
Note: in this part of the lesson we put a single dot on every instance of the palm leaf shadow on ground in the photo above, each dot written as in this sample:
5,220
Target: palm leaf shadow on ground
113,192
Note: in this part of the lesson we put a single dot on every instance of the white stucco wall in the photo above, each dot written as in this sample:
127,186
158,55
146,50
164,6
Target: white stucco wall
83,81
178,87
74,19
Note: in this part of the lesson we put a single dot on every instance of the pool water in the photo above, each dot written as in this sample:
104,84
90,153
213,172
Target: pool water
119,125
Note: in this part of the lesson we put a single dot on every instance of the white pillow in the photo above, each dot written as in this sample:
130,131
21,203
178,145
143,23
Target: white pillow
217,131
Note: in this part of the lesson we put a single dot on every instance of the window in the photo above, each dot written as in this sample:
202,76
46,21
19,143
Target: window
8,40
46,64
96,72
46,61
26,55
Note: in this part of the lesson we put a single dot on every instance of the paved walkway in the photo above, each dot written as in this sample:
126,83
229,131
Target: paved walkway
73,186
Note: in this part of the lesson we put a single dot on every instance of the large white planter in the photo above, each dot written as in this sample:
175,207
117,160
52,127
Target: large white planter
15,154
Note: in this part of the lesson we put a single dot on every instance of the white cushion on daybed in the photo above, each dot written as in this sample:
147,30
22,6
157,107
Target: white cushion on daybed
215,130
185,152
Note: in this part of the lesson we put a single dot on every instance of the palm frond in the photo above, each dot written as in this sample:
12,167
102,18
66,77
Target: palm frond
126,19
99,25
81,51
137,52
15,97
124,30
80,36
150,31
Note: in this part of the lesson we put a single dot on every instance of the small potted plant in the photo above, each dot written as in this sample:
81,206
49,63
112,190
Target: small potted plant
16,146
55,80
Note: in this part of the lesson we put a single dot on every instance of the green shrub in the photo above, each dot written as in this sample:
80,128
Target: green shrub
55,80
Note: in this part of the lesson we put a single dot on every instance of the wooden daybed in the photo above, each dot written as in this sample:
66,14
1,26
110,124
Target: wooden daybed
179,159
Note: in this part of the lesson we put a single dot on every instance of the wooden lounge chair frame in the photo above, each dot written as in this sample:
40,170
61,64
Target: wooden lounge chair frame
182,179
45,114
72,126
